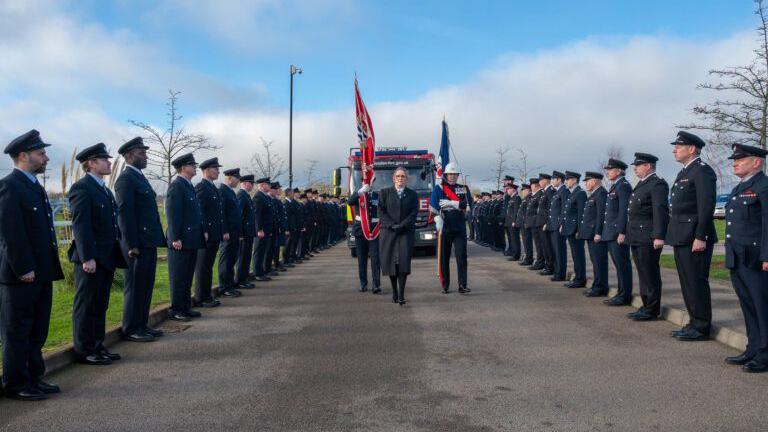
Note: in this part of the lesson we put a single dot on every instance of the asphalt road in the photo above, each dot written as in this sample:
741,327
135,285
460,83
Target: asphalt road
308,352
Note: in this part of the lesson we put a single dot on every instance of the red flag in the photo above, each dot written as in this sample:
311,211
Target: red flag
367,147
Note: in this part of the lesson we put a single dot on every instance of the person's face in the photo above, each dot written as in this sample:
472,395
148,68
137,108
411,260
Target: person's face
100,166
510,191
36,161
556,181
683,153
139,158
571,182
211,173
232,181
590,184
400,179
745,166
451,178
642,170
264,187
189,170
247,186
613,173
289,193
543,183
524,193
535,187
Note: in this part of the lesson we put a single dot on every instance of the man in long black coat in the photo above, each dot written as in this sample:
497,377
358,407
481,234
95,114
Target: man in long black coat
29,263
212,208
142,233
247,231
553,234
262,211
573,211
591,223
95,252
292,217
398,207
542,217
510,217
233,214
615,230
526,253
534,232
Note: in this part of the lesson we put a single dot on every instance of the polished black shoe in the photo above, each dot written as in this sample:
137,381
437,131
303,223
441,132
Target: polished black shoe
138,337
678,332
210,303
402,302
290,265
246,285
739,360
446,291
464,290
273,273
46,388
643,316
363,289
546,272
194,314
557,279
755,366
536,266
282,269
154,332
592,293
513,258
231,293
525,263
574,284
394,300
615,301
179,316
28,394
299,261
95,360
110,355
263,278
692,335
376,290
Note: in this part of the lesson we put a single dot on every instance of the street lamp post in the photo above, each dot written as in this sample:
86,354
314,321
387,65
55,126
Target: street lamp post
294,70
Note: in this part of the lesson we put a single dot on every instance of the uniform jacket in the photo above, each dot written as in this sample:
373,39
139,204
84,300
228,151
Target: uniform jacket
532,209
247,222
746,228
616,205
27,235
573,209
648,211
692,205
185,219
137,214
292,210
373,211
212,207
556,208
520,217
262,212
593,215
510,214
542,212
232,212
94,225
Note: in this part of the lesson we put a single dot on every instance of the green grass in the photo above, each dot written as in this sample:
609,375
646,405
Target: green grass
720,228
716,271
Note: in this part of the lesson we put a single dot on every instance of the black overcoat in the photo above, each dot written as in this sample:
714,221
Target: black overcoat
398,221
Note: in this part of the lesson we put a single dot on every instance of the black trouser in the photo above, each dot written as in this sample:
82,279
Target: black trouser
244,259
498,236
513,242
647,263
227,261
472,230
559,254
549,251
137,290
579,259
364,249
204,271
622,261
539,238
693,270
457,239
89,308
181,270
269,254
750,286
25,314
398,284
290,253
527,243
260,253
598,255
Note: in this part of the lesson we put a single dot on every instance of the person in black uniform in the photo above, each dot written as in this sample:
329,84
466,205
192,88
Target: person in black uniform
692,233
449,202
308,247
292,210
591,223
142,233
233,214
535,262
648,216
306,226
510,217
185,236
262,211
615,230
29,263
95,251
542,216
212,207
573,212
279,229
247,231
364,247
398,206
553,233
526,257
746,252
497,225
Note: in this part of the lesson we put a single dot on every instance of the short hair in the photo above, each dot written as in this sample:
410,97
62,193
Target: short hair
653,165
84,165
400,168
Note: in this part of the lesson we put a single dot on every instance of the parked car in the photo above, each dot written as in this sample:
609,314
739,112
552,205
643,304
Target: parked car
722,200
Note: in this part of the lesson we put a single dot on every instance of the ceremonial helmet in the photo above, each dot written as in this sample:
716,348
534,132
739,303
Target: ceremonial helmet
451,168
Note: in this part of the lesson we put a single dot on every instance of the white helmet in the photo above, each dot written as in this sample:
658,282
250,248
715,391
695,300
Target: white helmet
451,168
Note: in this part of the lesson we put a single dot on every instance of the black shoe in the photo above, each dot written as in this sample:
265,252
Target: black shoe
46,388
246,285
464,290
557,279
547,272
525,263
210,303
154,332
290,265
739,360
615,301
394,300
299,261
592,293
678,332
376,290
282,269
446,290
574,284
194,314
138,337
263,278
108,354
755,366
363,289
536,266
643,316
28,394
513,259
273,273
402,302
95,360
692,335
231,293
179,316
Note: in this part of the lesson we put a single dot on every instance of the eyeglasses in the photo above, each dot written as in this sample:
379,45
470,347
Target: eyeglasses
400,176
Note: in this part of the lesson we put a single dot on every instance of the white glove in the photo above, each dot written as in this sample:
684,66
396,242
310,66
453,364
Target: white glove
364,189
439,223
444,203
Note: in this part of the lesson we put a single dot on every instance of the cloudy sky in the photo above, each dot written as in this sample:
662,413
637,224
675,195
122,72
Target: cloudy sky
562,80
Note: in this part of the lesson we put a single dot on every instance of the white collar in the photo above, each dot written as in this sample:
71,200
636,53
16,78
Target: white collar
691,161
648,176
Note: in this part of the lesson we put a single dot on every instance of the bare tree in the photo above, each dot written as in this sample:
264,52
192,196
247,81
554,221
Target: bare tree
716,154
612,152
742,113
166,145
522,166
500,166
267,163
310,171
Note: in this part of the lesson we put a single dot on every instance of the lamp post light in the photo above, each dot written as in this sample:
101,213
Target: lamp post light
294,70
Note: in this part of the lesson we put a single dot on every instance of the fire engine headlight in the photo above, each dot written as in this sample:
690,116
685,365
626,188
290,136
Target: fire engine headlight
427,236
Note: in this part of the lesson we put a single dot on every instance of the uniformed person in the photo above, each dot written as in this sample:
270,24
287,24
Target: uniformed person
746,252
535,262
247,231
292,213
365,248
449,202
542,216
185,236
692,233
648,217
212,207
279,229
615,230
526,257
591,223
510,217
262,210
95,252
142,233
553,233
29,263
233,214
573,211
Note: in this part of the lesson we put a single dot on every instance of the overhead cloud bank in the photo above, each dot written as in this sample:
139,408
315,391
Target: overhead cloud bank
564,107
